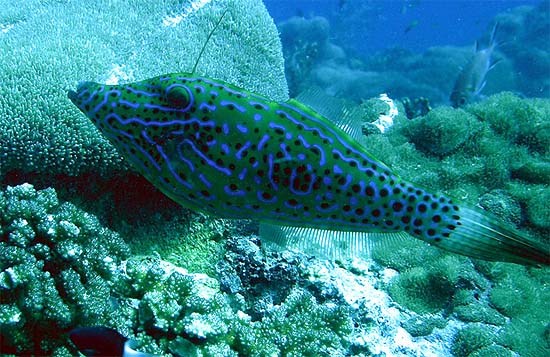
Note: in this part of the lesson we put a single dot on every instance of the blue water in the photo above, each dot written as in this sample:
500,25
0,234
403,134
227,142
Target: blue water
369,26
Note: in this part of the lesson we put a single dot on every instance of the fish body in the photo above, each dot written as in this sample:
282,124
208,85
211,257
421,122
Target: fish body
217,148
472,78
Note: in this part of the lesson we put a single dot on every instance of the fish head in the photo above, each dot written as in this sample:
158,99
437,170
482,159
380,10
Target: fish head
168,127
138,118
123,112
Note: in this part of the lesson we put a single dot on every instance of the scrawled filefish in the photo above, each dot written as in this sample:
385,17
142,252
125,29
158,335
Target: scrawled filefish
213,147
471,79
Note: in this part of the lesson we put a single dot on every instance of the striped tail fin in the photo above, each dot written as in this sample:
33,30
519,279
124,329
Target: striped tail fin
477,235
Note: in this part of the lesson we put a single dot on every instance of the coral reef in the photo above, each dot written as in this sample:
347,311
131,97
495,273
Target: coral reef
190,315
434,134
509,132
57,267
306,44
522,33
470,339
42,132
61,268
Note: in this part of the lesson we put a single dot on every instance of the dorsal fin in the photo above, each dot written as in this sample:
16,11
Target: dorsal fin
345,115
208,39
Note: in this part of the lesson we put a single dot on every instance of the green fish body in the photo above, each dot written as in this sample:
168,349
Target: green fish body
213,147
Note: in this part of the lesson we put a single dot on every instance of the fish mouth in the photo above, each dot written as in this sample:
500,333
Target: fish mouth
73,96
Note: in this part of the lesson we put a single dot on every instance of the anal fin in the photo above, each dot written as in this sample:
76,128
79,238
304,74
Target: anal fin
325,243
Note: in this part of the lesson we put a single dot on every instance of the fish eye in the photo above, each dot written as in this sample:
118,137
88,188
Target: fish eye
178,96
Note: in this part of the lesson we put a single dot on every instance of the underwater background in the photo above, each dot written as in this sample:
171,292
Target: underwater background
86,241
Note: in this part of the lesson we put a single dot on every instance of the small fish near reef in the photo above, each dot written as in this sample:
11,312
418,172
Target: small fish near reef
219,149
472,78
104,341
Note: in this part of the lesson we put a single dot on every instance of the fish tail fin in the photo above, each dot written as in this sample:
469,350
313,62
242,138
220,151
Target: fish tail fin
494,43
477,235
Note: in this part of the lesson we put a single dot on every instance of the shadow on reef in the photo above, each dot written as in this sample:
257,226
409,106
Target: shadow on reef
266,278
121,196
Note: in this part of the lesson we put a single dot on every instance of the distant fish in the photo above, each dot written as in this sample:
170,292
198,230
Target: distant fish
104,341
411,26
471,80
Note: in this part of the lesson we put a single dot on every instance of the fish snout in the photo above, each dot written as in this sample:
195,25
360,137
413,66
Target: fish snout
85,92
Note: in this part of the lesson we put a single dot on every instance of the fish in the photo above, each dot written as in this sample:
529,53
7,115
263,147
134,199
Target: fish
222,150
104,341
472,78
411,26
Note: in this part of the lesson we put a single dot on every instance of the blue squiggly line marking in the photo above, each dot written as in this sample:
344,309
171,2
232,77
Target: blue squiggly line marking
243,129
270,172
204,180
253,103
239,154
199,153
227,103
105,99
175,175
207,106
322,159
144,93
262,142
130,104
233,193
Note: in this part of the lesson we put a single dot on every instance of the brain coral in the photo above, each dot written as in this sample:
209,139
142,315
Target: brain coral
54,44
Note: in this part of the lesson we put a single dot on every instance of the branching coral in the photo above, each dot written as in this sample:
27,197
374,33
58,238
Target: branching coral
190,316
56,264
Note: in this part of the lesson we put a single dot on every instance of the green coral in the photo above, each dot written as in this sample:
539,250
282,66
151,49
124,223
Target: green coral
501,167
520,121
403,254
193,241
519,294
190,316
492,351
42,132
538,209
423,326
470,306
425,289
300,326
470,339
469,152
436,134
57,267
